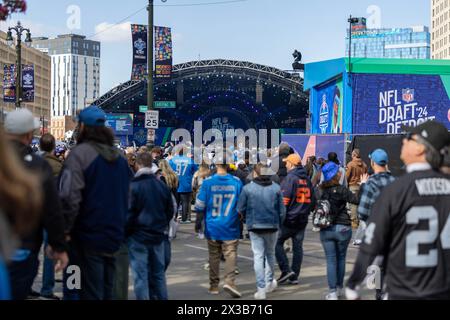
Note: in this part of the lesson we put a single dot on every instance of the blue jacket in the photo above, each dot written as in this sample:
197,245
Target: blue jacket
261,204
298,197
94,188
185,168
218,197
151,209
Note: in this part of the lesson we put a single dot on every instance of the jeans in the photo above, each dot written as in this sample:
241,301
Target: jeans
354,208
22,274
148,264
199,224
120,290
48,273
335,241
97,274
263,247
297,236
229,250
186,205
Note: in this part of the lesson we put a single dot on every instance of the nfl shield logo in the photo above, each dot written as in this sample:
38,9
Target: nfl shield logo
408,95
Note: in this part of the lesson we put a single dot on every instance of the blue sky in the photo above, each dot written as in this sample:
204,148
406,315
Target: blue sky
261,31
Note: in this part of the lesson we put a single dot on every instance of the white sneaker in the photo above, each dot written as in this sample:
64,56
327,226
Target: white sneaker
340,292
201,236
314,229
332,296
271,286
260,294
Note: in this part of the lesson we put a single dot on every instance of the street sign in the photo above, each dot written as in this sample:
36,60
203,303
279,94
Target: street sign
152,119
143,109
165,104
151,135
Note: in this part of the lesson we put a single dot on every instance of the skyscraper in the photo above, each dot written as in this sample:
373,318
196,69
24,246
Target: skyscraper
402,43
440,30
75,72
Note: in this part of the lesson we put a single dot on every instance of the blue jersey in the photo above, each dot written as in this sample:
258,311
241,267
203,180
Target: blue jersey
218,197
185,168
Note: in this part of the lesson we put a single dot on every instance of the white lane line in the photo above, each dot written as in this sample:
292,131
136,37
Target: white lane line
204,249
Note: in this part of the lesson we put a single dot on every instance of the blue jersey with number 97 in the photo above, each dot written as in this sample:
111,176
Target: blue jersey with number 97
185,168
218,198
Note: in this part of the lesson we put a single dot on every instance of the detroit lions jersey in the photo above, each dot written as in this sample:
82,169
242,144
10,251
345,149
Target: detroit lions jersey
218,198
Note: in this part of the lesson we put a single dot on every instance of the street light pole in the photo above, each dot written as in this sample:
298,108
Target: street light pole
150,93
9,38
351,21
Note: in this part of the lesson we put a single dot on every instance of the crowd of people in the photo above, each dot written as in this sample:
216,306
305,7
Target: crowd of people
105,210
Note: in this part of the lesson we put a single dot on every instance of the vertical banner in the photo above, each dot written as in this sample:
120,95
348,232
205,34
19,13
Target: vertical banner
28,83
163,52
139,39
9,83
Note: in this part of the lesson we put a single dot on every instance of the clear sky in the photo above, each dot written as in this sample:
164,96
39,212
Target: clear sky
260,31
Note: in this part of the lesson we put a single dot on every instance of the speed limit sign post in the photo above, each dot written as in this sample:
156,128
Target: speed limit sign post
152,119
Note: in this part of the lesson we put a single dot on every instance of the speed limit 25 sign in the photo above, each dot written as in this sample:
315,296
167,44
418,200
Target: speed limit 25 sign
152,119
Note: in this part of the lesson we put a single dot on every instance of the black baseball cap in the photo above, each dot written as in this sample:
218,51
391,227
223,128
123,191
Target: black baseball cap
435,133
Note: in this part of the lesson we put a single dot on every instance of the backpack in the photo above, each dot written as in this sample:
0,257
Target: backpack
322,218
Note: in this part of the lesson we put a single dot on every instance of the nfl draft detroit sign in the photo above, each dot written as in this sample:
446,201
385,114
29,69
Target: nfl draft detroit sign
383,103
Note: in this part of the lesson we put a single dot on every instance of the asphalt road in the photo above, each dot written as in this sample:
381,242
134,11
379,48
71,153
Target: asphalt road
187,278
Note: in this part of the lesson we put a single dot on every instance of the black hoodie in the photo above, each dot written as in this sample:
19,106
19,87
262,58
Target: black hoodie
298,197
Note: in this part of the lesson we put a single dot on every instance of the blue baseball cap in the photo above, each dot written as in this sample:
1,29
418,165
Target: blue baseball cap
380,157
329,171
92,116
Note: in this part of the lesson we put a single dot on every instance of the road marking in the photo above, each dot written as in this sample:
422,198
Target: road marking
204,249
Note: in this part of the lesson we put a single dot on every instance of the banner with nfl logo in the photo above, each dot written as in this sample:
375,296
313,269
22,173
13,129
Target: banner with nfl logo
383,103
139,39
163,52
9,83
28,83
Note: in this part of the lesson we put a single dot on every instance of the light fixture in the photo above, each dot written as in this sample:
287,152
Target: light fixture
9,38
28,40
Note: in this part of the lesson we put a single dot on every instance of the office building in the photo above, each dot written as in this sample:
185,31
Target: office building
75,72
400,43
440,29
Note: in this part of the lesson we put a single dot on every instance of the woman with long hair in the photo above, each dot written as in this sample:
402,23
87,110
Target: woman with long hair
169,177
20,203
202,173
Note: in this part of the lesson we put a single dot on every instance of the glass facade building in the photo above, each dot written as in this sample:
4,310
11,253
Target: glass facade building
400,43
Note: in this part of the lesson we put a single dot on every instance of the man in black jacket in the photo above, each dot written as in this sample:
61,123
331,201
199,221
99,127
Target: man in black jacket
299,200
151,209
19,126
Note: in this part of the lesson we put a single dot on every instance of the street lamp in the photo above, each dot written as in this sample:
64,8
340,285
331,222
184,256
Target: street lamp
351,21
150,93
9,39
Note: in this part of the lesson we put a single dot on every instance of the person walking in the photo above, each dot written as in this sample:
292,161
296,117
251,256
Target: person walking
151,209
202,173
261,207
218,200
94,188
355,169
19,127
47,145
298,197
336,238
20,209
185,168
410,223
